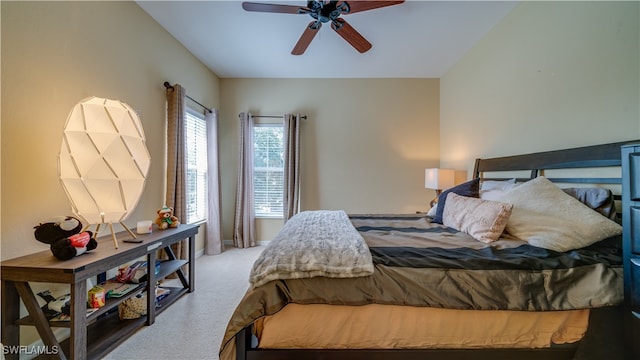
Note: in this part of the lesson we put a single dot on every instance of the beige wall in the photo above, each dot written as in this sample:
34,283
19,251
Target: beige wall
54,54
365,144
551,75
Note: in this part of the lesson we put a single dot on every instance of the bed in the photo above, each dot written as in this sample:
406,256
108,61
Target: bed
451,284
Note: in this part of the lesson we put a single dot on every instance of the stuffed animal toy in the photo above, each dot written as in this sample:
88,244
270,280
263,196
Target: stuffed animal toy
166,219
65,236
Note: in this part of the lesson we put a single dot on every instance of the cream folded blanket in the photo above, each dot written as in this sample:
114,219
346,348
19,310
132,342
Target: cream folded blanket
314,243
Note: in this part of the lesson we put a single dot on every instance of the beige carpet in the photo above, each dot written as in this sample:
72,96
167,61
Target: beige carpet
192,328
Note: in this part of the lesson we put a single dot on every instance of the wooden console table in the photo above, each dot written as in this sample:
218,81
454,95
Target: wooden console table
94,335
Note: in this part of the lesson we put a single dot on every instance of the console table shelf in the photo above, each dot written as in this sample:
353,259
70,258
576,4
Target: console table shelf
92,336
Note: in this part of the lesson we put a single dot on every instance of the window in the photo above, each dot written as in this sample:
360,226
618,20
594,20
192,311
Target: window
196,164
268,169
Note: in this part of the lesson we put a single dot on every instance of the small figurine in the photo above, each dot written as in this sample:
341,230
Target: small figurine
166,219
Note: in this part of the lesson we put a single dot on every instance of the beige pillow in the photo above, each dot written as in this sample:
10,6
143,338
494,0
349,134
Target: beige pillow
545,216
483,219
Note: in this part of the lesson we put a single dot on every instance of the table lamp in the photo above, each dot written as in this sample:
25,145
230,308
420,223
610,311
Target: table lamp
438,180
103,162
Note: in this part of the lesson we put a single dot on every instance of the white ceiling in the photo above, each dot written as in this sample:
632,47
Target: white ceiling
416,39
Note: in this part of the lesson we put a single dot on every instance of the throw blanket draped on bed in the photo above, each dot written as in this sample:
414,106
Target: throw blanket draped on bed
314,243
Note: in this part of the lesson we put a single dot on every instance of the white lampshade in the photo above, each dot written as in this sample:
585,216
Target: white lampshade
103,161
439,179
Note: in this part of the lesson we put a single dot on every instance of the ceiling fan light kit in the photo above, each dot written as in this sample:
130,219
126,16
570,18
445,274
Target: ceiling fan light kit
325,12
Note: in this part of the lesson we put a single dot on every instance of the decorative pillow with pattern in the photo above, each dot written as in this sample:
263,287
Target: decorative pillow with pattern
470,188
484,220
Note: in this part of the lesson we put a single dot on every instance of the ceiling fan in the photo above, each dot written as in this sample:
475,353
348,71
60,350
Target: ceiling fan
323,11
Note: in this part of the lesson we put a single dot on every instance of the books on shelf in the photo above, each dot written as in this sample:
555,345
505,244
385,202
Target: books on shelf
136,272
60,317
66,317
115,289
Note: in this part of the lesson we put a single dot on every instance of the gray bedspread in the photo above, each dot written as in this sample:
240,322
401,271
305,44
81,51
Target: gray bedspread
418,263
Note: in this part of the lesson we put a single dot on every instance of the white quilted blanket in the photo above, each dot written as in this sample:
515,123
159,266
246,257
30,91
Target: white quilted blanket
314,243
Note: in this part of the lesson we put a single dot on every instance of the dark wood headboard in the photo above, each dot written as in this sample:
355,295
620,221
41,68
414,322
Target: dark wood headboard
596,156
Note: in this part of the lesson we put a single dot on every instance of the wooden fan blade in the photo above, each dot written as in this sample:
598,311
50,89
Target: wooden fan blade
306,37
351,35
357,6
273,8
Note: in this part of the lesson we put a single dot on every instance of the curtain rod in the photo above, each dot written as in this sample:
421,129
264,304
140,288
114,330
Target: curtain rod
168,86
274,116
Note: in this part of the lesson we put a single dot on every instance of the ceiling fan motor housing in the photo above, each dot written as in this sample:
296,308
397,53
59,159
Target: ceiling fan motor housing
327,11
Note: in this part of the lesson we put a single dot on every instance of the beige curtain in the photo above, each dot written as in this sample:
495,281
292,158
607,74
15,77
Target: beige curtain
176,170
291,194
213,241
244,221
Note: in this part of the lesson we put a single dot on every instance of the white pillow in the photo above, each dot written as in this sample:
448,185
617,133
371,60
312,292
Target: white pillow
432,211
545,216
496,194
496,184
482,219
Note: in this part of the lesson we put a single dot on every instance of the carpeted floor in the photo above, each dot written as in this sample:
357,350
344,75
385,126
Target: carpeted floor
192,328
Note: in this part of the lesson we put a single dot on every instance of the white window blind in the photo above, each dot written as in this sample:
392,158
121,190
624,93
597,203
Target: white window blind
196,164
268,169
